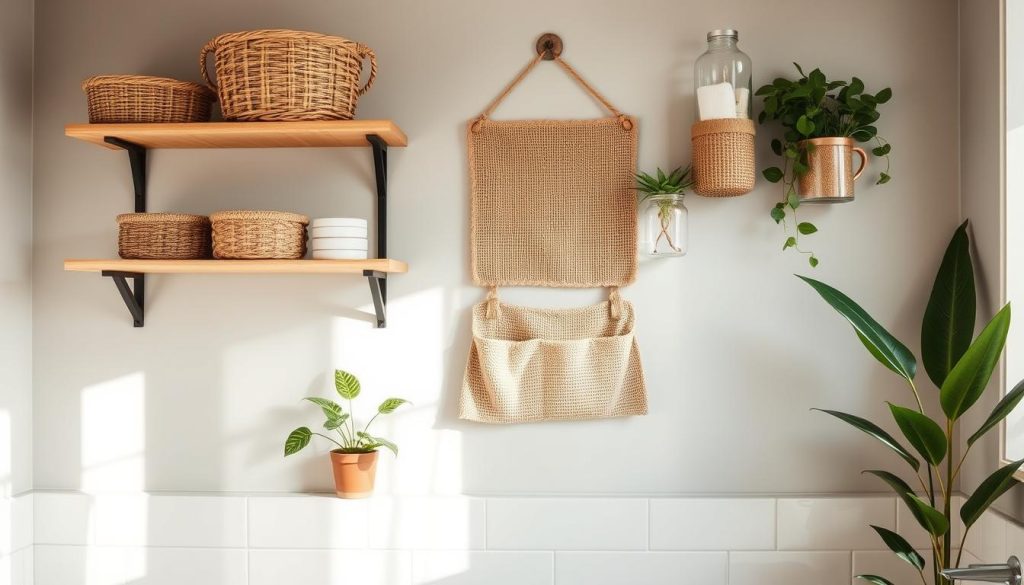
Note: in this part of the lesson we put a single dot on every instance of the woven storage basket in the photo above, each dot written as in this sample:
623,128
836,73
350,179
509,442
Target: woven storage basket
259,234
723,157
286,75
163,236
125,99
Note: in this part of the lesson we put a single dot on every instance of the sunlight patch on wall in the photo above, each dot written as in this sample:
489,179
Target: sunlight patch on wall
114,434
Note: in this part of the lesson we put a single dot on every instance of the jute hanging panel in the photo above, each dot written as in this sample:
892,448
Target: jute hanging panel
552,200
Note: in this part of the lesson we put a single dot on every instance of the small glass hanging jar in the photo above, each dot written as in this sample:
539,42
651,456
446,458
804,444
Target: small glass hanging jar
663,225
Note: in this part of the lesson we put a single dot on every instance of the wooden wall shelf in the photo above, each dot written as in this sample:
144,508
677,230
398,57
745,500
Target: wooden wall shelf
237,266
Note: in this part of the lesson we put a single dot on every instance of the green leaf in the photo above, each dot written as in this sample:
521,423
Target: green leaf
882,345
389,405
900,546
297,440
883,96
875,579
335,423
883,178
777,146
988,492
948,324
923,433
881,150
346,384
773,174
789,243
792,200
877,432
856,86
813,261
379,442
778,214
804,126
928,517
1001,411
806,228
801,71
332,409
967,380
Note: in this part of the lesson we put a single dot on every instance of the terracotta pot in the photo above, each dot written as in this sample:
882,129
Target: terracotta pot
354,473
830,175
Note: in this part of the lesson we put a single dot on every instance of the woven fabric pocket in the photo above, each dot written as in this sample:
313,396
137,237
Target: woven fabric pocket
530,364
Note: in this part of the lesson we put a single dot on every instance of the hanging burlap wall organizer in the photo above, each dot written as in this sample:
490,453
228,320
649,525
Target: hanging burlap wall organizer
552,204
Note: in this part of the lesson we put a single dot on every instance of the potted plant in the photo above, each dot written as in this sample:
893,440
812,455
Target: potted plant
355,458
822,121
960,368
663,217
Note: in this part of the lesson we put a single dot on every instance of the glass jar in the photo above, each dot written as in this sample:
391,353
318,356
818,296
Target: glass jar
663,225
722,78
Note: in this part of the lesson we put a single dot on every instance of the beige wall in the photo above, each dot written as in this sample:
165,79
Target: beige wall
16,243
735,349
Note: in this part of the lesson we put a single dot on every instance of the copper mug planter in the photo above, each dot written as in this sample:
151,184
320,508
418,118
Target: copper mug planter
354,473
830,175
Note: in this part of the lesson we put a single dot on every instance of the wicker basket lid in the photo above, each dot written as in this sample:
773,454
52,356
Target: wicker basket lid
259,215
167,82
127,218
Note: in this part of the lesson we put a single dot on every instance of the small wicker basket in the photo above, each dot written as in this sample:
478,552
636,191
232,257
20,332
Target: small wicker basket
163,236
287,75
723,157
259,235
126,99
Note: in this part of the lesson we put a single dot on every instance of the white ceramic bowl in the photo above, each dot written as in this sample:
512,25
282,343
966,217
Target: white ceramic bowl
339,244
338,222
339,255
337,232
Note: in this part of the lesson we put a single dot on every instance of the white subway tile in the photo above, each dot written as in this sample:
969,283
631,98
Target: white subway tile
79,565
169,520
640,568
192,566
62,518
834,523
887,564
22,523
909,529
22,572
787,568
713,524
567,524
329,567
987,538
307,522
478,567
428,522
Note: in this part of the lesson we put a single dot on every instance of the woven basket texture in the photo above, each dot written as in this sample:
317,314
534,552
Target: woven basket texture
286,75
723,157
163,236
552,364
126,99
258,235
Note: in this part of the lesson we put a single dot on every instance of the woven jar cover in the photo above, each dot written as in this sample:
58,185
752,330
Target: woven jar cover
552,364
553,202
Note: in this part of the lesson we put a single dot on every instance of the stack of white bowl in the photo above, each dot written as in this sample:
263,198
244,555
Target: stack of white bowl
339,238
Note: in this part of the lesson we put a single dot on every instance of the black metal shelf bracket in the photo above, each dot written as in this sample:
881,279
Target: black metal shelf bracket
134,299
379,280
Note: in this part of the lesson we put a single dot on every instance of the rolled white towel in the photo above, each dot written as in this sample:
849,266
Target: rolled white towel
716,101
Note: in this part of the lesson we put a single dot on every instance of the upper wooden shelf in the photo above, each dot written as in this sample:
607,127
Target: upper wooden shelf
237,266
327,133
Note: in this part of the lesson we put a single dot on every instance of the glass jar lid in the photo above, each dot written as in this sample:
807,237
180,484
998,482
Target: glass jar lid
724,32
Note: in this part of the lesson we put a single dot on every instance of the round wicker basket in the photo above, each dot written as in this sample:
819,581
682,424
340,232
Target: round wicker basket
259,235
126,99
287,75
163,236
723,157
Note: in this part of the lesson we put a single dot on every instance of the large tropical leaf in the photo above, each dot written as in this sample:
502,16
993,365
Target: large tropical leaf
297,440
389,405
923,433
346,384
989,491
332,410
928,517
883,346
948,324
335,423
375,442
900,546
1001,411
967,380
878,433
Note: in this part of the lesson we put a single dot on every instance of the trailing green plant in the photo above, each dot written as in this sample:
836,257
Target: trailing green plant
960,368
814,107
659,186
350,438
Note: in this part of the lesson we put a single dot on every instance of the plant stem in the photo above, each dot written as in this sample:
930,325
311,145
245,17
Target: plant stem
352,423
367,427
948,537
330,439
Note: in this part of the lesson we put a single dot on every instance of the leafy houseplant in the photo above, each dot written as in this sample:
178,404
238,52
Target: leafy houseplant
664,194
960,368
355,458
813,107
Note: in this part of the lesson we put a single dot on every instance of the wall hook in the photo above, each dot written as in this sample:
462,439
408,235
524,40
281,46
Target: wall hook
549,46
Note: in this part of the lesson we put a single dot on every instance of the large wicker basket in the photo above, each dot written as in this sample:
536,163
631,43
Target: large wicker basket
163,236
286,75
259,235
723,157
125,99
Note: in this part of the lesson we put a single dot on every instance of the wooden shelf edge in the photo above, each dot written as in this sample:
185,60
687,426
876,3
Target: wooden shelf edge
313,134
387,265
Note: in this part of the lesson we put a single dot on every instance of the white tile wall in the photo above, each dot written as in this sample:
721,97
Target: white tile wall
451,540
